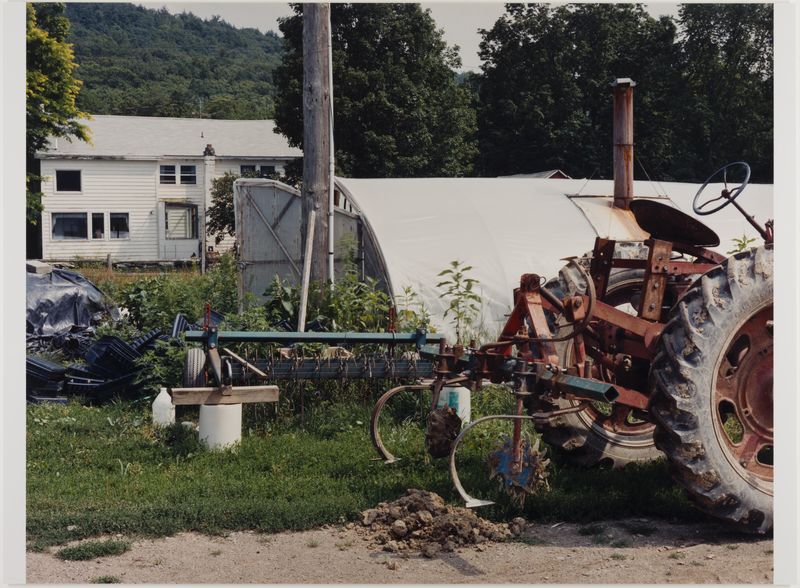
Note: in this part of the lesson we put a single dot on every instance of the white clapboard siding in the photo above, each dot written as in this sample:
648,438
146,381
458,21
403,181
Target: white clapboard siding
106,186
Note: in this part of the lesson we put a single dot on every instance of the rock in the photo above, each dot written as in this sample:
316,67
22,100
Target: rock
391,546
392,565
520,522
481,548
72,527
399,529
349,526
395,513
424,517
368,517
431,549
448,546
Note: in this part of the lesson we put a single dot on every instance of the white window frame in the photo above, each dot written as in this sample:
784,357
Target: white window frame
91,213
192,175
174,174
53,226
55,181
108,232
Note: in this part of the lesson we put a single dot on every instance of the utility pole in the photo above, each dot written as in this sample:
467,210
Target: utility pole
316,126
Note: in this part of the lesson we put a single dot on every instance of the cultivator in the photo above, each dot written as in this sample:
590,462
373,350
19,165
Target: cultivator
634,348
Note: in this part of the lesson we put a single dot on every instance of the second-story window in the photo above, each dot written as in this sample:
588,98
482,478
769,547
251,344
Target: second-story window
188,174
167,174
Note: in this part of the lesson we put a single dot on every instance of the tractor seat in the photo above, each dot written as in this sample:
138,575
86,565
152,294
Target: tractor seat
667,223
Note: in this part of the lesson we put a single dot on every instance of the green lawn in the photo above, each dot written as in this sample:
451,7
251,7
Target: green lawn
97,470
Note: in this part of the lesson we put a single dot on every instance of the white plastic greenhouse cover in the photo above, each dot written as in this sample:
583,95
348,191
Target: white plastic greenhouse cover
505,227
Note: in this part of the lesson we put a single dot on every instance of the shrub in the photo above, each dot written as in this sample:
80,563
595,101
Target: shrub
93,549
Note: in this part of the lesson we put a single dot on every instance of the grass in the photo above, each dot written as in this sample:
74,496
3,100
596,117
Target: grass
618,556
93,549
104,470
677,555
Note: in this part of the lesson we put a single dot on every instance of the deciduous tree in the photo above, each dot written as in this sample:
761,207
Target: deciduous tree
398,111
51,90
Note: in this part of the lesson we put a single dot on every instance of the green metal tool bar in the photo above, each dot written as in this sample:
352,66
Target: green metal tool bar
419,338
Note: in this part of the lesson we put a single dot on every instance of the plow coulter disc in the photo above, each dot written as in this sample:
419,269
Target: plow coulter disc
528,477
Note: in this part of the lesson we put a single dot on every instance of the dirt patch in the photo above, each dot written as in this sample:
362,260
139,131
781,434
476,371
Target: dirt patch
421,522
630,551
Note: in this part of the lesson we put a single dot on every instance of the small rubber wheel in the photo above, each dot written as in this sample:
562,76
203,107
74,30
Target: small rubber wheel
193,368
712,391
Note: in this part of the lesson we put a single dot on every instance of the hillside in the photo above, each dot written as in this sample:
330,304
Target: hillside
138,61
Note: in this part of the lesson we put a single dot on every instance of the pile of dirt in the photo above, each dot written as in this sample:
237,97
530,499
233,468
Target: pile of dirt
420,521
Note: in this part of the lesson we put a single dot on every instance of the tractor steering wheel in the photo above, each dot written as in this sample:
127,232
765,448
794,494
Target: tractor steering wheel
727,196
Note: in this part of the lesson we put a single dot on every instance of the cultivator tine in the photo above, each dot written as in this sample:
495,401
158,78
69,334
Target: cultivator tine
386,456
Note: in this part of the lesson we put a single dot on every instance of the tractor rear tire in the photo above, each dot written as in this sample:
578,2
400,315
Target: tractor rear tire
580,438
715,363
193,374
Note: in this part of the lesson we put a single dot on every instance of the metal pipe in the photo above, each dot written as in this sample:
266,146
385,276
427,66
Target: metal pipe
331,152
301,317
623,142
419,337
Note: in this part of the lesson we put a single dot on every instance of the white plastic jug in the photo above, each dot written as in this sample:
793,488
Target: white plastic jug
220,425
163,409
458,398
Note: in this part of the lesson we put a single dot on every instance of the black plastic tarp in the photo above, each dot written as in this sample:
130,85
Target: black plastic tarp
62,301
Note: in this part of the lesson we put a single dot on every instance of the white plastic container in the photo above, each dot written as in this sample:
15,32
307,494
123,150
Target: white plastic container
220,425
163,409
458,398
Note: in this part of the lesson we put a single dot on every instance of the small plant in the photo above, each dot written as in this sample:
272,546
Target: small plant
312,543
618,556
677,555
741,244
106,580
459,293
93,549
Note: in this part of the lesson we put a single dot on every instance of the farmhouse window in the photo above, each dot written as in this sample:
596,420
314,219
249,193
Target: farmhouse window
98,225
68,180
119,225
267,170
69,225
245,170
167,174
180,221
188,174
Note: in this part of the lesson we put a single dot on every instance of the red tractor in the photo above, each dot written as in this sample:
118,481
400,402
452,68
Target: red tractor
635,349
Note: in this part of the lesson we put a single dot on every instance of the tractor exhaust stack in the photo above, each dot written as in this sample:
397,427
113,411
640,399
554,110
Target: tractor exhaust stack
623,142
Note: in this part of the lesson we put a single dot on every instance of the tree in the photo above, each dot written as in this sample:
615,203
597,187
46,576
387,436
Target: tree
704,93
398,110
727,60
544,94
51,90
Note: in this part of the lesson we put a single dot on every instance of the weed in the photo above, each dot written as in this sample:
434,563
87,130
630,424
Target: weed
591,530
463,302
677,555
312,543
618,556
741,244
106,580
93,549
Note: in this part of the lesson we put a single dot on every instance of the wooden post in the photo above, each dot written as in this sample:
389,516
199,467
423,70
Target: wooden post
109,265
316,123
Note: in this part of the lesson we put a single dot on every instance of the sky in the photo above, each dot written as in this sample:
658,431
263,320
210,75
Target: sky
459,20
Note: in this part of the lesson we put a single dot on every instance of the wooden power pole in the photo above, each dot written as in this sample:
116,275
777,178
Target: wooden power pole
316,126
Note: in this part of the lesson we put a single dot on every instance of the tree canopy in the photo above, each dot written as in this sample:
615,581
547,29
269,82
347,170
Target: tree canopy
51,90
397,107
704,95
138,61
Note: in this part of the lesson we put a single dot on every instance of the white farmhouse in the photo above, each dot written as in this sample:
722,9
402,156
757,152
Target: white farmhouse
139,190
